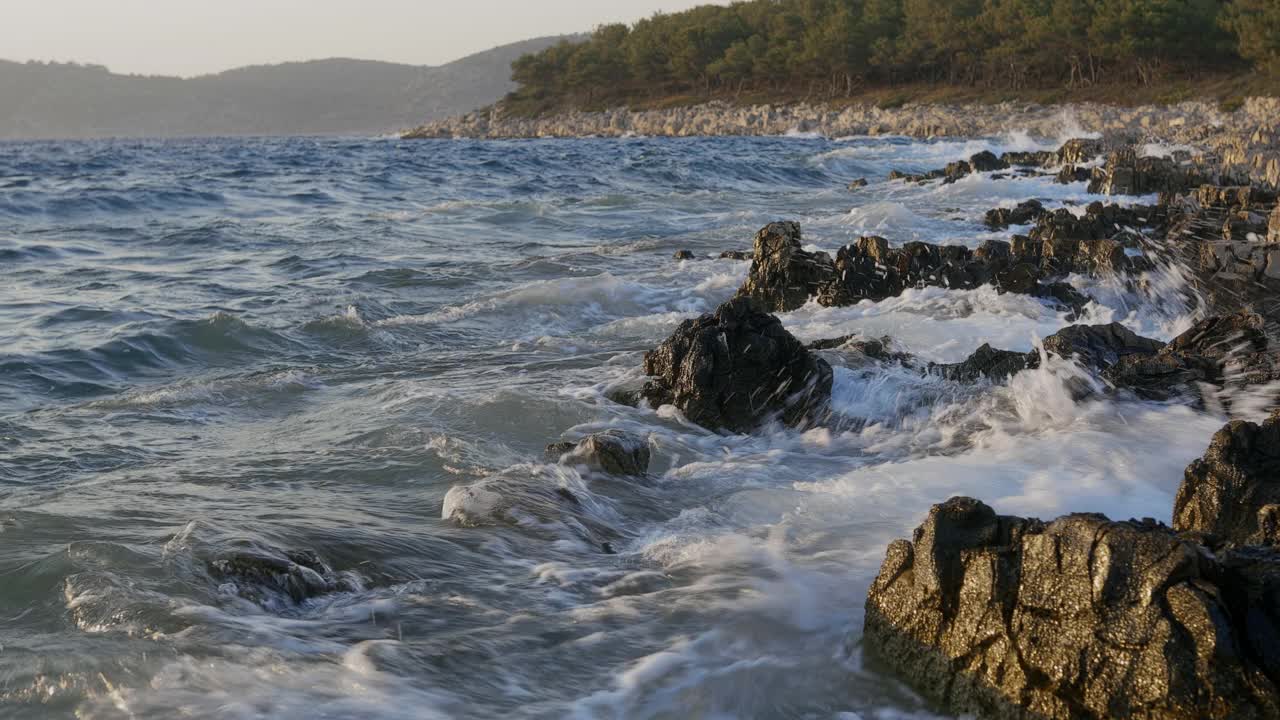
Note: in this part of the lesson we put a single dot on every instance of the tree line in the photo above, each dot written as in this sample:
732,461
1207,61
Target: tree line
833,48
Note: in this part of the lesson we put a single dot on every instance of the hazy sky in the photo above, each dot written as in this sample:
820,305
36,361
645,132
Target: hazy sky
191,37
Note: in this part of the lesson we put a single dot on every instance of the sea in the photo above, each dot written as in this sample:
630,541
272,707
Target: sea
215,347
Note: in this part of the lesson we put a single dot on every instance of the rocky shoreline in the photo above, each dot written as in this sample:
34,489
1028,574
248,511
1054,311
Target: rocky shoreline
1082,617
1247,137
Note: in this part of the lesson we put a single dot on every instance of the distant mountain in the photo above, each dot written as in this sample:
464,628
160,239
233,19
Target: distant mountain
321,97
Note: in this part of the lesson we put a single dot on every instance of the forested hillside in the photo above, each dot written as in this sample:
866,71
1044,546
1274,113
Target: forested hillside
838,48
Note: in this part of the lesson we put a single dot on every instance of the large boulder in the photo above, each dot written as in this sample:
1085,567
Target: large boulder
1080,618
1079,150
268,575
736,368
1232,494
783,275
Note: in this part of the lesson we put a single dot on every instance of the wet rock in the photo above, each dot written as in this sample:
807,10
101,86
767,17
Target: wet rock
986,161
988,362
1199,355
872,348
1072,174
1025,213
783,275
735,255
859,183
257,573
1044,158
1005,617
1233,493
684,255
613,451
630,398
1094,243
1273,229
1099,346
735,368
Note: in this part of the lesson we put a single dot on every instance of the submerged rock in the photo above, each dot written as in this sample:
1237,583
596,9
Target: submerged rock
735,255
684,255
1233,493
735,368
258,573
1006,617
859,183
988,362
613,451
783,275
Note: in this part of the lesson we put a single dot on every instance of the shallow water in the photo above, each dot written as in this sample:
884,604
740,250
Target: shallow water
212,345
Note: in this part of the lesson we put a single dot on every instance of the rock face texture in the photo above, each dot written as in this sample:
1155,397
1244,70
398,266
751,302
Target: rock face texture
736,368
1232,494
612,451
783,276
1099,346
1080,618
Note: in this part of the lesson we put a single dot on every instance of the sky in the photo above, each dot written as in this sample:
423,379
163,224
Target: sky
194,37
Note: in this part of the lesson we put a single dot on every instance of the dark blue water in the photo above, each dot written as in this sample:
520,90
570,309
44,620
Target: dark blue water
277,345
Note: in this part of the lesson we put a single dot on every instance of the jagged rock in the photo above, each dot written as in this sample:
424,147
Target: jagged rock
1081,618
1099,346
783,275
1199,355
1126,173
735,368
257,573
1094,243
988,362
859,183
1273,227
1234,197
1072,174
1233,493
1079,150
1025,213
613,451
684,255
735,255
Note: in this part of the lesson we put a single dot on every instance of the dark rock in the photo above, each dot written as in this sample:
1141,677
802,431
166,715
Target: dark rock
1099,346
556,449
1025,213
1199,355
986,161
613,451
258,573
1251,587
784,276
1072,174
859,183
1273,229
1064,296
684,255
988,362
1042,158
1233,492
1081,618
735,368
735,255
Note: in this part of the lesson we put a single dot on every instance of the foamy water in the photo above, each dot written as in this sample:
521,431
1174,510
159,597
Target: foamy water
361,348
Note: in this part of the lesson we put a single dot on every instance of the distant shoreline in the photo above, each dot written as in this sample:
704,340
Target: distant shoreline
1184,122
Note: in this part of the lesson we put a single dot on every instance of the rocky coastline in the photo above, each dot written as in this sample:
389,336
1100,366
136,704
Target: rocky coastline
1083,617
1245,137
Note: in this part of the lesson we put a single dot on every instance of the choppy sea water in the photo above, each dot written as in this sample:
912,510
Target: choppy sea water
208,346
